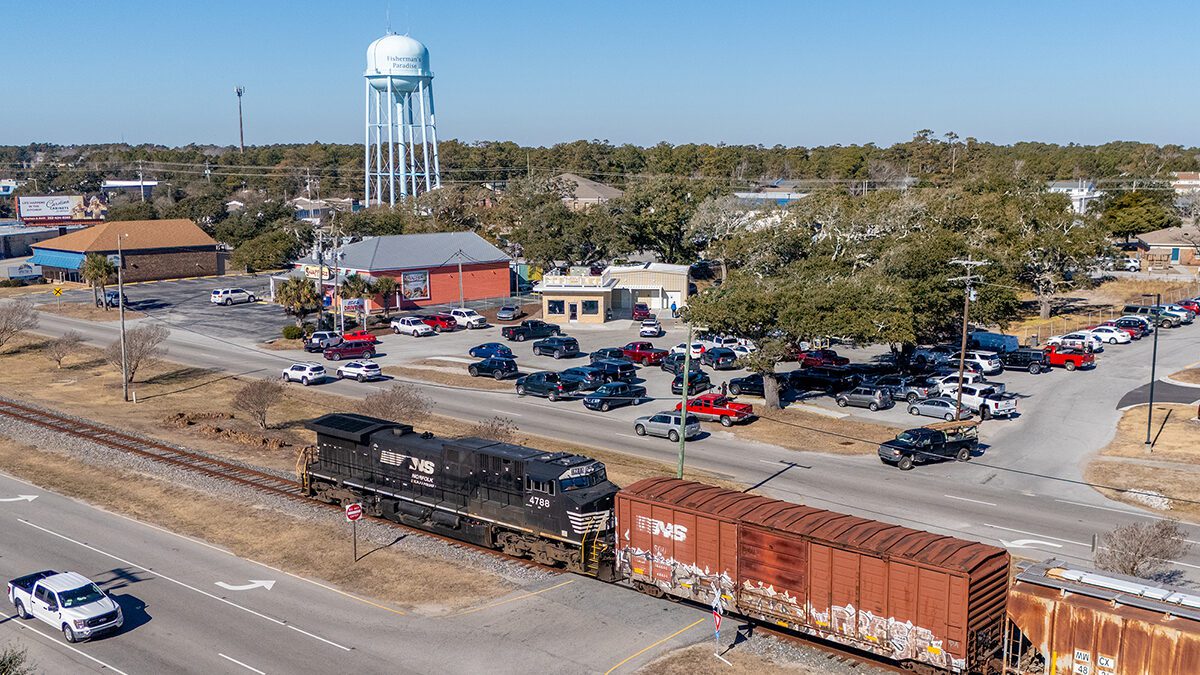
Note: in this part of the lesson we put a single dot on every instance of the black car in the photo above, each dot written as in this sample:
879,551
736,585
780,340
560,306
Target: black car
615,370
752,384
673,363
720,358
614,394
698,381
558,347
496,366
869,372
828,380
608,354
546,383
1032,360
588,377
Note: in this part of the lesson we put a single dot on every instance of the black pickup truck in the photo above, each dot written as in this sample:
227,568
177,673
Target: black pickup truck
932,443
530,329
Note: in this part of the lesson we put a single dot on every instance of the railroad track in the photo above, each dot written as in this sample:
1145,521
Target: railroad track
213,468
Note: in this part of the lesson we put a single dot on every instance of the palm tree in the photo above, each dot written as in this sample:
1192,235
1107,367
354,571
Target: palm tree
97,270
299,297
358,287
386,288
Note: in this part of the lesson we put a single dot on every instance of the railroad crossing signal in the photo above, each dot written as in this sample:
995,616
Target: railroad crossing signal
57,290
353,512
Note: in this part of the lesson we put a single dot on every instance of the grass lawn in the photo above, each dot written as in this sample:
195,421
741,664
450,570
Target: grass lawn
1177,444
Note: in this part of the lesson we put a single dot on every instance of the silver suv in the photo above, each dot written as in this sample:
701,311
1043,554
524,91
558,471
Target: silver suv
872,398
304,373
666,425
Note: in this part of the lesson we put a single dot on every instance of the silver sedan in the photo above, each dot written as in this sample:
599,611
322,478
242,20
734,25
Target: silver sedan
938,406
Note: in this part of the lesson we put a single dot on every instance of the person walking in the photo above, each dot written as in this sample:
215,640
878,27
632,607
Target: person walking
674,310
725,388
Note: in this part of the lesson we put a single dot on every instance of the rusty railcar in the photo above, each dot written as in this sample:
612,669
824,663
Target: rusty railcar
930,602
1068,620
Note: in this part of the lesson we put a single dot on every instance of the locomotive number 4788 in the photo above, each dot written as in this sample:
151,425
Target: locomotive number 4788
539,502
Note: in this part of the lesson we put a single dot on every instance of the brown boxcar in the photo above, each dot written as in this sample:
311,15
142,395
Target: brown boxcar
1078,622
903,594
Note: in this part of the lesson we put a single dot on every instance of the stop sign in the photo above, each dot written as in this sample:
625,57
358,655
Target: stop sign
353,512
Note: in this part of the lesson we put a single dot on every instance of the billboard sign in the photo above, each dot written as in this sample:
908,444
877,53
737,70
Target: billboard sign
414,285
60,207
318,272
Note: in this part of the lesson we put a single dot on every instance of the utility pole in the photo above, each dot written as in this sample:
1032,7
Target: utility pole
1153,363
683,413
461,304
239,90
968,292
121,311
141,181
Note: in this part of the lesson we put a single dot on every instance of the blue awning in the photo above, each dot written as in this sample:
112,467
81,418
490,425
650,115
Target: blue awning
61,259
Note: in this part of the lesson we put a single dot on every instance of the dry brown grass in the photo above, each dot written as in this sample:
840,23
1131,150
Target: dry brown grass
310,549
1175,431
87,311
442,374
1190,375
1087,307
1173,483
698,659
798,429
280,345
38,289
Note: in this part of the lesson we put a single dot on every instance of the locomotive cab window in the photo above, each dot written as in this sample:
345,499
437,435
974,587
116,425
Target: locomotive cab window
594,478
544,486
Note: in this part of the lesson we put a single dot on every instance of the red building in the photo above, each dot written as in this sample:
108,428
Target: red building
426,268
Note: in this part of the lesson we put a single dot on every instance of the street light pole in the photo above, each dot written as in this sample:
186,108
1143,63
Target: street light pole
121,311
683,414
1153,363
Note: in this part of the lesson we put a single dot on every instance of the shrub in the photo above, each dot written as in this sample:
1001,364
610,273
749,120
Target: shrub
292,332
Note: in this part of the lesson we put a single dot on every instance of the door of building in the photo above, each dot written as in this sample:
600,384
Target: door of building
573,311
1174,256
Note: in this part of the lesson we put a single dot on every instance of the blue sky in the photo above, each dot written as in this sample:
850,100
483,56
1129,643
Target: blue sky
793,73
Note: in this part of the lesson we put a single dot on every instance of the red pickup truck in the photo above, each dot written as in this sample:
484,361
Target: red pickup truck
718,408
360,336
1064,357
821,357
644,353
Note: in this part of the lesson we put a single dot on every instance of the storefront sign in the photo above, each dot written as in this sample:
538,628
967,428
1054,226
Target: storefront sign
318,272
414,285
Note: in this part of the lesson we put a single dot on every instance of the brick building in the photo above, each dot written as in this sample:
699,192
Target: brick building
425,266
153,249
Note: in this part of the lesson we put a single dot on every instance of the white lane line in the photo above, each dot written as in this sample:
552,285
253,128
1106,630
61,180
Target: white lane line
1035,534
318,637
81,653
505,412
627,435
176,581
250,668
1109,508
964,499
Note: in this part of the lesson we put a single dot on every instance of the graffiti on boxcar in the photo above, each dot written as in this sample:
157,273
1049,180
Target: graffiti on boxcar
684,579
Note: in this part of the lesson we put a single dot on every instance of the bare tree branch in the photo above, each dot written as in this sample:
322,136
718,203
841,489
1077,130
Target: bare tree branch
256,398
16,316
401,403
1142,549
63,346
141,344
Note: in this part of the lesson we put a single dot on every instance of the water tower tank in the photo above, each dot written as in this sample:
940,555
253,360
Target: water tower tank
401,59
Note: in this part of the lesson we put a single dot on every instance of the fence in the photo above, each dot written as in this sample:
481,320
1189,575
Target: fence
1036,334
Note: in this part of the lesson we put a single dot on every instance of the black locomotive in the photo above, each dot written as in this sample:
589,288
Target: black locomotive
552,507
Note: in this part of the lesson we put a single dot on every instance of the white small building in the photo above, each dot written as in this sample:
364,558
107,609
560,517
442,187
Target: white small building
1186,181
144,187
1081,192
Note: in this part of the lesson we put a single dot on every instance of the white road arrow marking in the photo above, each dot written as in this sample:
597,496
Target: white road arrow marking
1027,543
254,583
19,498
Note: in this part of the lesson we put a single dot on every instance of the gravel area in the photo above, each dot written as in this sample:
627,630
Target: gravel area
794,652
377,532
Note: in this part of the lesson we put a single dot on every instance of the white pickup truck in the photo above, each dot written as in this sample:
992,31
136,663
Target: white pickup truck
469,318
986,397
68,601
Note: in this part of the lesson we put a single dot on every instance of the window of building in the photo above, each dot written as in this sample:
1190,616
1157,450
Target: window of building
555,307
591,306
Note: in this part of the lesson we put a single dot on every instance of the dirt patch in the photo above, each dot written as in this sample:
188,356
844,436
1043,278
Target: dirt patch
1174,429
799,429
281,345
532,310
444,373
1190,376
699,660
310,549
1170,470
87,311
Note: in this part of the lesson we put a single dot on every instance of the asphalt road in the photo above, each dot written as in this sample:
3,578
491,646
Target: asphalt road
178,619
1023,492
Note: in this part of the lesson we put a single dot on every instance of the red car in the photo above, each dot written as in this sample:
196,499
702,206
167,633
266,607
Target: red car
439,322
1190,305
718,408
360,336
644,353
349,350
821,357
641,311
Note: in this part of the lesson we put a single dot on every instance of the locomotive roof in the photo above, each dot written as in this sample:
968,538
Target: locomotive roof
353,427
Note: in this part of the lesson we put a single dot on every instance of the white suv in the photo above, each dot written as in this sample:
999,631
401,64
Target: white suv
229,296
988,362
411,325
360,370
304,373
469,318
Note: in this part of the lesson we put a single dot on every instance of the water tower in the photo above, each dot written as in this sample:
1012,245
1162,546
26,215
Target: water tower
400,149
